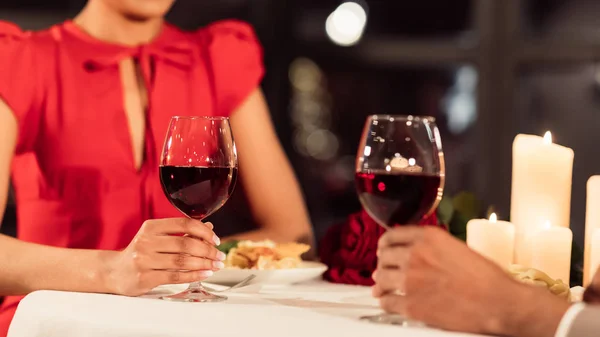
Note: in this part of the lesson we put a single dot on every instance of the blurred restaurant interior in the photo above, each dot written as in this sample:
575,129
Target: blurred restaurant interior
486,69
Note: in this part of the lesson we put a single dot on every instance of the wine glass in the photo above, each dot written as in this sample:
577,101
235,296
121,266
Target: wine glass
198,171
399,175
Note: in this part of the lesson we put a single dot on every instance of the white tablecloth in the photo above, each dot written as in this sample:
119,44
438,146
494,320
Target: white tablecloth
308,310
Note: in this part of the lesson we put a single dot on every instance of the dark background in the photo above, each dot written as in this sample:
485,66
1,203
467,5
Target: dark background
487,69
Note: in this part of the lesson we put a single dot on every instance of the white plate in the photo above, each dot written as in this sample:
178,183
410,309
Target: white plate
306,272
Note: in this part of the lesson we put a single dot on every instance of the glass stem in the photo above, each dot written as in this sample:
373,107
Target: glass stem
196,286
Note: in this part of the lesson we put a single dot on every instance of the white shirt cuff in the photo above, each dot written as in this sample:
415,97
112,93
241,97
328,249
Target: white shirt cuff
567,320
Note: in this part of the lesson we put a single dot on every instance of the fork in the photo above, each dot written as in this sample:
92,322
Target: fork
241,284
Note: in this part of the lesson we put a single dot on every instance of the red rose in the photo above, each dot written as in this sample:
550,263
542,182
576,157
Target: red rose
350,249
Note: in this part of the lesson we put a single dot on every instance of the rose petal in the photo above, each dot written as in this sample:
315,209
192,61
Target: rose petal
350,249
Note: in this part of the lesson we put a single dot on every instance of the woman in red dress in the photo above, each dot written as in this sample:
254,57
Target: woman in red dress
84,107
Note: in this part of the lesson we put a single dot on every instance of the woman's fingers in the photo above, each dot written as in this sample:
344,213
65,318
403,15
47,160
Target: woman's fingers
158,277
185,226
167,251
187,245
158,261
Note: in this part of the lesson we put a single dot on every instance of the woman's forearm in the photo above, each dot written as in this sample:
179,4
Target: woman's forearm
273,192
26,267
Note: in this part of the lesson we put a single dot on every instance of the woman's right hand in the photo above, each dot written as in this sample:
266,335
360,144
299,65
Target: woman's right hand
159,254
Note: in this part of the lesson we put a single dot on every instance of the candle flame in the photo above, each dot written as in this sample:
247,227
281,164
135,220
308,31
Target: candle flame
493,217
548,137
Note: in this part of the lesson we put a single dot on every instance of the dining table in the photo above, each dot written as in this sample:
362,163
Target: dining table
310,309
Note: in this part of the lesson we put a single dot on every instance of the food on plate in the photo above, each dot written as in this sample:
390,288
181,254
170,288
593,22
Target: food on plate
541,279
264,255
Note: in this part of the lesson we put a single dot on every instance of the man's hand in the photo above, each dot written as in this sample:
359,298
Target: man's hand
592,292
449,286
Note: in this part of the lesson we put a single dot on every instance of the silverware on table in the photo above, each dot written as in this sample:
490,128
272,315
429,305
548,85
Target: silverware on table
241,284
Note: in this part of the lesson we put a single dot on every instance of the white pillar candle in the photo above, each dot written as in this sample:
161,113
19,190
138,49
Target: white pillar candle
551,251
592,222
493,239
541,189
594,254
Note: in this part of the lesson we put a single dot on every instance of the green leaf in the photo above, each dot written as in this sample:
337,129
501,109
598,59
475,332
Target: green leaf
445,210
467,204
225,247
461,236
458,224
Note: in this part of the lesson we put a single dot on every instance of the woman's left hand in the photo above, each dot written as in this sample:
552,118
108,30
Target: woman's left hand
449,286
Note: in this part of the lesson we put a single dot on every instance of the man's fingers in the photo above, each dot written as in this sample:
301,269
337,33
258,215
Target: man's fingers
394,304
401,236
390,281
376,291
393,256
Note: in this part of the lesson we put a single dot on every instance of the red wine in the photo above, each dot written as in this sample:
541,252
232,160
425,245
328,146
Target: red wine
397,199
198,191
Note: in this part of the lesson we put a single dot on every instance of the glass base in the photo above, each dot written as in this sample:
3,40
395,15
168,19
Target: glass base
195,293
393,319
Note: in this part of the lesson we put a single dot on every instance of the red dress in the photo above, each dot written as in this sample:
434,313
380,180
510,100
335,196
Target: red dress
74,174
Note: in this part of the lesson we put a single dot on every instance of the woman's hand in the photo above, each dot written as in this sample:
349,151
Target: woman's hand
449,286
159,254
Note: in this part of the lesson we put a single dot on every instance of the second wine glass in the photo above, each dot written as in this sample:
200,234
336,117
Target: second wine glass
399,169
198,172
399,176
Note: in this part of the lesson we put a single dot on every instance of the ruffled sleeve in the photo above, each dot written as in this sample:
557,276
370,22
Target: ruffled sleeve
18,78
235,60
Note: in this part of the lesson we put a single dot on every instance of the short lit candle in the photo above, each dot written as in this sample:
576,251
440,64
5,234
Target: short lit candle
595,254
592,223
541,189
551,251
493,239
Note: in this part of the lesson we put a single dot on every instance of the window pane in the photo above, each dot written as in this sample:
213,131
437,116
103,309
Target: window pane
561,19
402,19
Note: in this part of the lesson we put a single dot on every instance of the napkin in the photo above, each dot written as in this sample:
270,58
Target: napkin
349,249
